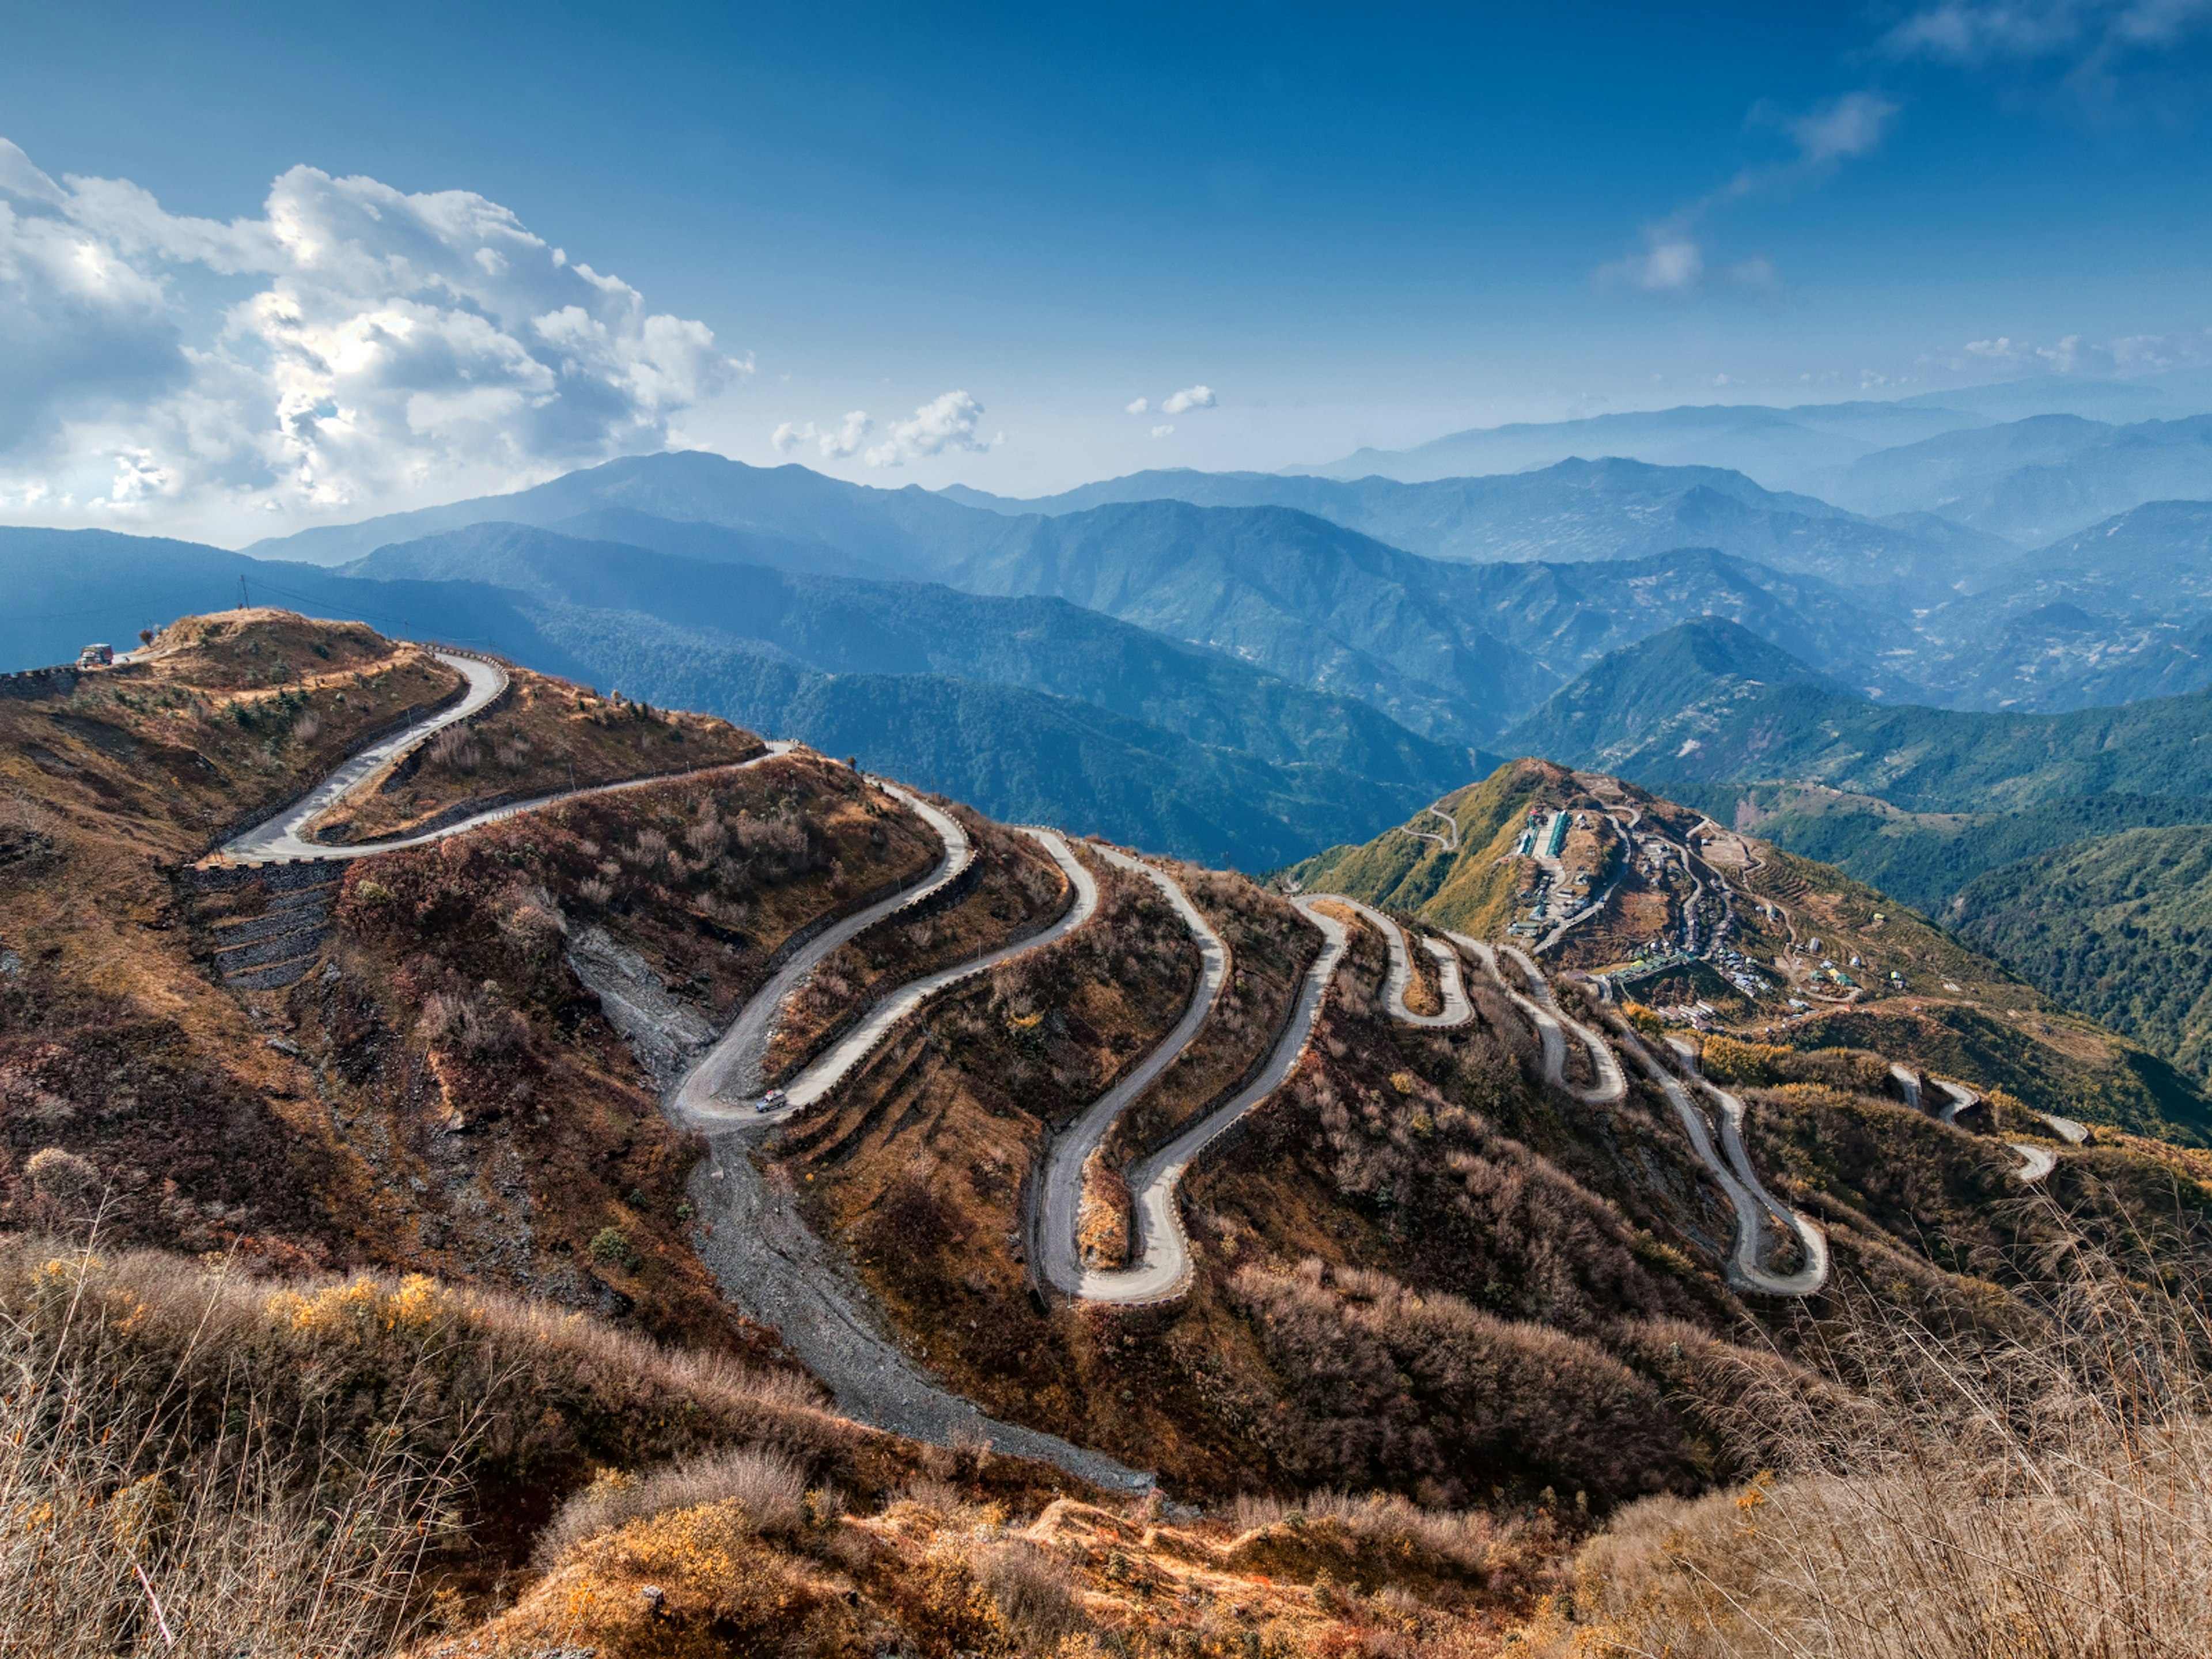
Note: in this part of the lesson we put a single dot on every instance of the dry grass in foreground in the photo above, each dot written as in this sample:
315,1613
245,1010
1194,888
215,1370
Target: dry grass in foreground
2050,1496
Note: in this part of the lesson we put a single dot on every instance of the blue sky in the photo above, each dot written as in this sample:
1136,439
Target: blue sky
1352,227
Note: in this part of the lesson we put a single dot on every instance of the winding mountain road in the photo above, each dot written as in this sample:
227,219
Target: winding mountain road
724,1086
1159,1270
1060,1192
1457,1010
1747,1194
1552,1025
279,839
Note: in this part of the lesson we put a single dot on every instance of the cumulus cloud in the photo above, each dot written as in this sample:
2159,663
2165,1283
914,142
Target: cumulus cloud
1141,406
2076,354
1191,397
947,423
363,348
1163,431
834,444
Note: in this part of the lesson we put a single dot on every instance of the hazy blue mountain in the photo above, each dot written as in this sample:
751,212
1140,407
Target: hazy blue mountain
891,529
699,538
2035,480
1449,650
2152,398
847,626
2150,560
1573,510
1625,714
1779,447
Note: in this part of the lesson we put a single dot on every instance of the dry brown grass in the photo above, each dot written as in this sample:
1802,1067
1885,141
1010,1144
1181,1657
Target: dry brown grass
769,1488
2047,1496
138,1514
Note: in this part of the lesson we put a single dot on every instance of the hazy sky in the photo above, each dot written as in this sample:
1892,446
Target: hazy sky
265,266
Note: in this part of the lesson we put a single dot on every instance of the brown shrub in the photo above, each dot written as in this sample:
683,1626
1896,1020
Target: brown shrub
768,1489
1396,1389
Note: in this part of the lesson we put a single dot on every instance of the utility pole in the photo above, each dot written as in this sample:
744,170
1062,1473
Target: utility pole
241,591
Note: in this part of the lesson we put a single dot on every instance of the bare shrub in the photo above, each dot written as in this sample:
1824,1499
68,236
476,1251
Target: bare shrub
596,891
708,838
530,920
455,750
62,1176
1033,1591
307,727
769,1488
477,1024
648,851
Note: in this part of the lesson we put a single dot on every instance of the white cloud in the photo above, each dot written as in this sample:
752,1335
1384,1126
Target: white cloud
1192,397
1140,407
2092,31
947,423
1673,259
1842,128
1671,263
1163,431
2133,354
352,348
834,444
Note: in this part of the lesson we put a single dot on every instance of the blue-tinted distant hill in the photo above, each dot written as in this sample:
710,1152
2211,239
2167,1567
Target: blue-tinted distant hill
1709,706
66,588
843,626
1780,447
2037,480
1451,650
1574,510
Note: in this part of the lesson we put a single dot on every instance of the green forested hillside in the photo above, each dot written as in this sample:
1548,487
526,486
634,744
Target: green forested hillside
1709,703
1927,858
2120,927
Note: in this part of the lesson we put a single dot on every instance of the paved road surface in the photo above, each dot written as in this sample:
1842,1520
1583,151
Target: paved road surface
723,1088
770,1264
1161,1268
1748,1199
1552,1025
279,836
279,839
828,1069
1457,1010
1060,1192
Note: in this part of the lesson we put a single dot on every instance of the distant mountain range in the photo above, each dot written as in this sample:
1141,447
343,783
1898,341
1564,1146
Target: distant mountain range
1575,510
1277,658
1916,453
